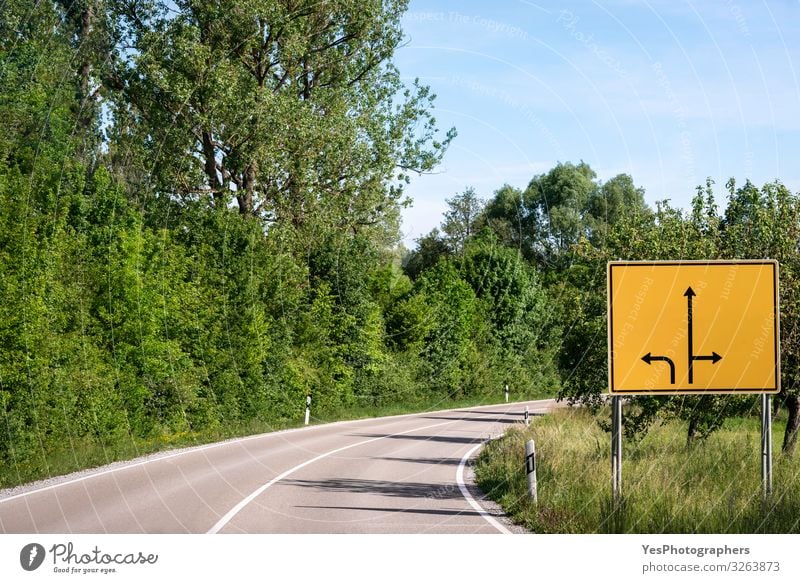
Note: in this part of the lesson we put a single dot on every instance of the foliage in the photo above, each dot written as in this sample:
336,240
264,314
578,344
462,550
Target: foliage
199,208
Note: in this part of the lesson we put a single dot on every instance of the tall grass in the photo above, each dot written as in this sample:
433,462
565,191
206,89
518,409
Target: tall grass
714,486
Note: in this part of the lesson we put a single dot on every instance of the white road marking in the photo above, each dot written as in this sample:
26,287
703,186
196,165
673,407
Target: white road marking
472,502
240,506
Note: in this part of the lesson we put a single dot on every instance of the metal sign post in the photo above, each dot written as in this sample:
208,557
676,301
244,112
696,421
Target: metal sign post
616,448
766,445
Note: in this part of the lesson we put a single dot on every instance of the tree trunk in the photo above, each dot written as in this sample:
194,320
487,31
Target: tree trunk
792,424
246,197
85,104
86,66
211,164
692,432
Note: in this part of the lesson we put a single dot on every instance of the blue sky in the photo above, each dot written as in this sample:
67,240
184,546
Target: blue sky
669,92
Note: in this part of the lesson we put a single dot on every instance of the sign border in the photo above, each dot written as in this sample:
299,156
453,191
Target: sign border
678,263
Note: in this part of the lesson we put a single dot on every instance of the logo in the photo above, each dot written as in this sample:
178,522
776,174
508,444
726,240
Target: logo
31,556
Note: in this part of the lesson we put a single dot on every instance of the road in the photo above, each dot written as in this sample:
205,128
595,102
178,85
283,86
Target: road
402,474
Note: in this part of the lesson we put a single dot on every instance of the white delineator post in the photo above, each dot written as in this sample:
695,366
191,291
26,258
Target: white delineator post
530,470
527,416
506,393
308,408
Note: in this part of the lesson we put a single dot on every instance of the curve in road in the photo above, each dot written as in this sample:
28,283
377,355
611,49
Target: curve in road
402,474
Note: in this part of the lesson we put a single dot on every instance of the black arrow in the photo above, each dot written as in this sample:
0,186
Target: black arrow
714,358
648,358
689,295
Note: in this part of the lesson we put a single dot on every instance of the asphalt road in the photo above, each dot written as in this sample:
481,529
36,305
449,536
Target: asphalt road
402,474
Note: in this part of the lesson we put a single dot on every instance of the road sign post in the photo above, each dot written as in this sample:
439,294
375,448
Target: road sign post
616,449
766,446
693,328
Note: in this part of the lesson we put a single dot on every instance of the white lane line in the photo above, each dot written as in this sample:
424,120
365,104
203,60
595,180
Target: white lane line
195,449
472,502
238,508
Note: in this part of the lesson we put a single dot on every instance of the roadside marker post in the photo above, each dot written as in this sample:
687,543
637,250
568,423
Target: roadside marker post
527,416
693,328
506,393
530,470
308,408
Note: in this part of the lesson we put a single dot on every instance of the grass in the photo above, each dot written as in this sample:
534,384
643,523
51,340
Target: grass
84,453
712,487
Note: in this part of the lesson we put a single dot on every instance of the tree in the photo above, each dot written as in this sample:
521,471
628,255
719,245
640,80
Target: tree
558,208
765,223
461,220
430,249
556,203
505,215
607,204
293,109
454,326
521,325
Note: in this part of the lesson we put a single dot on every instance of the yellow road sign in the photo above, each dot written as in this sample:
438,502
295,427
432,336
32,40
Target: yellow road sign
693,327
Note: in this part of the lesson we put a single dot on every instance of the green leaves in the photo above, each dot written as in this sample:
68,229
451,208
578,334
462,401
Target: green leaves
294,110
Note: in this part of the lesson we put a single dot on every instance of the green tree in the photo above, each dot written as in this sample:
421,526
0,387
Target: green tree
606,205
556,203
292,109
430,249
461,220
558,208
765,223
517,310
455,326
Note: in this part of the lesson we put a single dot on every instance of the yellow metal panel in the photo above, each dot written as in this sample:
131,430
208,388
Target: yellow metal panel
731,308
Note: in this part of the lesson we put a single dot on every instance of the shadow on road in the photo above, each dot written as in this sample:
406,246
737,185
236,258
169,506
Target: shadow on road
381,488
435,461
435,511
518,414
480,420
438,438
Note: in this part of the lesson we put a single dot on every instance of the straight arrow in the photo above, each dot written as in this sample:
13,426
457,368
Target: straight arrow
649,358
689,295
714,358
